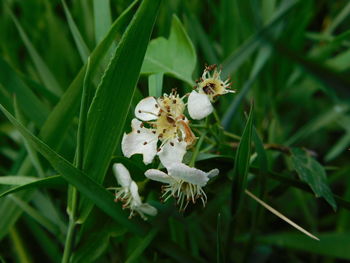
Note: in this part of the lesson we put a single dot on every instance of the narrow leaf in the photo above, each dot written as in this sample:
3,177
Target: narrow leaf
109,108
95,192
241,165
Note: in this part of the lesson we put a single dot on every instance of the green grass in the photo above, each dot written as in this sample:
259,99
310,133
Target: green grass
71,75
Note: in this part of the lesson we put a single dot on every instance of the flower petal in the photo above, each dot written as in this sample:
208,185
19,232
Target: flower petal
199,105
134,190
157,175
213,173
172,152
147,209
122,175
147,109
188,174
141,140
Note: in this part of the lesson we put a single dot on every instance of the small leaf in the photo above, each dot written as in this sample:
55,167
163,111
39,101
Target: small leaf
241,165
313,173
175,56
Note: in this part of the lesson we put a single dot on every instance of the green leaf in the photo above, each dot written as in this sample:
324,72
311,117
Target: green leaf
109,108
330,244
61,117
17,179
32,106
241,165
313,173
45,74
219,254
143,244
155,85
240,55
175,56
102,18
78,39
90,189
26,182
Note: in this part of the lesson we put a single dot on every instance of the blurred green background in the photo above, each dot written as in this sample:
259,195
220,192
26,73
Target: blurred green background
290,58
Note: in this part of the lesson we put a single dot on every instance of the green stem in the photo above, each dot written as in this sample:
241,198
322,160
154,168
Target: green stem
232,135
196,150
19,247
79,164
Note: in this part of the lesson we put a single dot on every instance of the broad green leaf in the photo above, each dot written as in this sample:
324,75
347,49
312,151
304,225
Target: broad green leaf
90,189
109,108
313,173
102,18
175,56
330,244
26,182
45,74
78,39
34,109
242,158
155,84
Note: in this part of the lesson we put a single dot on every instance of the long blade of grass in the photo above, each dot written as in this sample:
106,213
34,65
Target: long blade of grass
78,39
45,74
109,108
25,183
99,195
241,165
32,106
60,119
102,18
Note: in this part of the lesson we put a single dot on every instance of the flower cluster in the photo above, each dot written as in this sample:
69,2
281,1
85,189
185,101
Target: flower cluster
161,128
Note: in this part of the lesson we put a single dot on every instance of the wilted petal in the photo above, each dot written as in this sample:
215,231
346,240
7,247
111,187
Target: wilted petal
122,175
213,173
199,105
157,175
172,152
147,109
188,174
147,209
141,140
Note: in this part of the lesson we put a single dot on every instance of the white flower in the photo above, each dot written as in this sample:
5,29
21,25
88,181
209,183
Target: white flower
183,182
159,120
128,193
209,87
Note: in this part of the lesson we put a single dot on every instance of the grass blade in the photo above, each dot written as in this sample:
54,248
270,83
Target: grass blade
241,165
99,195
109,108
46,75
102,18
78,39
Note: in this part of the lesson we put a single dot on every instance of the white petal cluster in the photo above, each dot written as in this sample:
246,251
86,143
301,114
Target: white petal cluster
160,128
128,193
183,183
209,87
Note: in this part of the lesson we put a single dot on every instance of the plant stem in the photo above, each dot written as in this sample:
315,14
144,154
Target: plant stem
196,150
